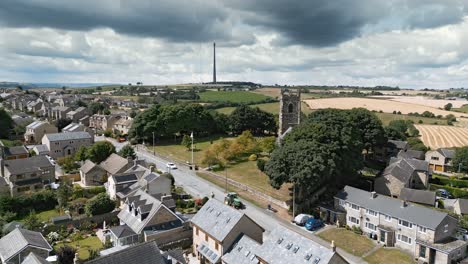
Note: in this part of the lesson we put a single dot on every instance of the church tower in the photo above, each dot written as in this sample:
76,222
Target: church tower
290,110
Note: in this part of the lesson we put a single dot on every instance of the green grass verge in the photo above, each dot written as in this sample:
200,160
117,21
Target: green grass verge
389,256
45,216
83,246
349,241
235,97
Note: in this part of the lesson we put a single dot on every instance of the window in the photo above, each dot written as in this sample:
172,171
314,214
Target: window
355,207
421,229
353,220
434,158
196,230
404,239
422,251
445,228
216,246
371,212
387,218
206,237
405,223
371,226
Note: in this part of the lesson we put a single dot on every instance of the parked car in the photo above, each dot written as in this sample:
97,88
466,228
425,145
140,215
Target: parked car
171,166
313,224
444,194
301,219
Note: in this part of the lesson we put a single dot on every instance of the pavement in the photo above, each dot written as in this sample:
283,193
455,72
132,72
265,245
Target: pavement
199,187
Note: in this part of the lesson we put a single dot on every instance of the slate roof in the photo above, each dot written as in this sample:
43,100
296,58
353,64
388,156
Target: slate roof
416,214
448,153
36,124
73,127
30,164
16,150
283,246
217,219
411,154
176,254
41,148
34,259
68,136
114,163
243,251
397,144
144,253
403,169
418,196
88,166
124,177
15,241
122,231
463,204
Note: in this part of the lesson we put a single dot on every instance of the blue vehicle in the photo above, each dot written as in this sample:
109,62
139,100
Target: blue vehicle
313,224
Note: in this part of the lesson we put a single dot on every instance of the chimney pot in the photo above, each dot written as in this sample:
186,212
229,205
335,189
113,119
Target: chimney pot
373,195
333,246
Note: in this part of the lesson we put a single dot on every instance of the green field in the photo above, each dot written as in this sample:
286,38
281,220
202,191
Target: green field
45,216
233,97
268,107
387,256
83,246
463,109
387,117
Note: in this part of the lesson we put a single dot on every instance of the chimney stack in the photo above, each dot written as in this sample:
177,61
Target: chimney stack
403,203
333,246
151,168
373,195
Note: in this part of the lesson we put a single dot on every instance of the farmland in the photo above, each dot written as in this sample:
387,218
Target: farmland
268,107
426,101
233,97
443,136
386,106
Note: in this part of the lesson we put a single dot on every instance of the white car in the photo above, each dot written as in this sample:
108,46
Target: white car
171,166
301,219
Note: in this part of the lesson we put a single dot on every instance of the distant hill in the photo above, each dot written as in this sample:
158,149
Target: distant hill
50,85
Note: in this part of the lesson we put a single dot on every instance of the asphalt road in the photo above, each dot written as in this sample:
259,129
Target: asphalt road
199,187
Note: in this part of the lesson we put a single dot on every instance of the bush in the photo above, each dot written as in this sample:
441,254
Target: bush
108,133
261,164
456,192
253,157
100,204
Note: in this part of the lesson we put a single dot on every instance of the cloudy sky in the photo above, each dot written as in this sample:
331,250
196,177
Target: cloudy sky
409,43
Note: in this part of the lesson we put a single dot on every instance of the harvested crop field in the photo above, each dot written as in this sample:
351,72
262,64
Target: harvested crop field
435,136
427,101
387,106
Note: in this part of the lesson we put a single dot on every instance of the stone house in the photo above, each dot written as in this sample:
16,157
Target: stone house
102,122
123,125
66,144
119,182
40,150
92,174
27,175
423,197
116,164
59,112
441,159
152,183
149,219
403,173
16,152
36,130
19,243
460,206
77,114
216,227
426,233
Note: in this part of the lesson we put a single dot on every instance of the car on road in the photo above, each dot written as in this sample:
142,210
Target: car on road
51,160
301,219
313,224
171,166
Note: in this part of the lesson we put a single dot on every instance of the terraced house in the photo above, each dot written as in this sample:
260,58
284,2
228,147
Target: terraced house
426,233
27,175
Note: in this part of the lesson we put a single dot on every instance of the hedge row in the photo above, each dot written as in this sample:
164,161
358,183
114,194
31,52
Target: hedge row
454,183
23,205
456,192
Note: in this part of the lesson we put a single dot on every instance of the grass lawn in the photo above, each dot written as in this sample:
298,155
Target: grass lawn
83,246
387,256
387,117
45,216
349,241
235,97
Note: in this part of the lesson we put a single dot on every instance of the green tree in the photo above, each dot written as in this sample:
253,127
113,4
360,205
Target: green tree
133,114
268,144
64,193
66,255
253,119
127,151
186,142
100,151
448,106
32,222
100,204
460,161
97,108
81,154
369,126
67,163
6,123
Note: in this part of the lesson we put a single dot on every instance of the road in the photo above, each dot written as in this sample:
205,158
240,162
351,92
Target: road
199,187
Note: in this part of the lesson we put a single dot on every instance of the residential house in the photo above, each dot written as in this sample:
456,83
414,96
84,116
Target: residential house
460,206
403,173
65,144
92,174
77,114
27,175
22,119
36,130
423,197
119,182
33,258
150,219
115,164
123,125
102,122
16,152
152,183
19,243
40,150
411,154
216,228
424,232
281,246
144,253
441,159
391,149
75,127
34,106
59,112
